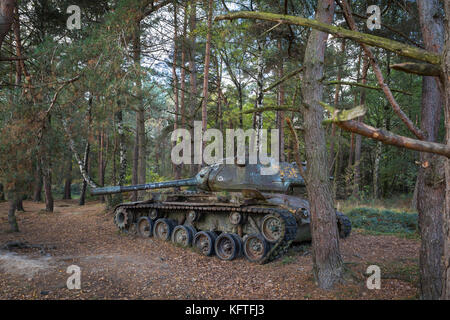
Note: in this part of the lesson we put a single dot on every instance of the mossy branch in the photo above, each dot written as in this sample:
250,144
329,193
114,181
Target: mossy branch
422,69
371,40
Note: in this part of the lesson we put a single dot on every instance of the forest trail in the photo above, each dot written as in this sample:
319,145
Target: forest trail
117,266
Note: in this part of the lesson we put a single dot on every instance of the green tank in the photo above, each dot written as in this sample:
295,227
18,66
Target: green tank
233,211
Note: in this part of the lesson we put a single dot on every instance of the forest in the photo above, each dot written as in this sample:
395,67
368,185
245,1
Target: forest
91,91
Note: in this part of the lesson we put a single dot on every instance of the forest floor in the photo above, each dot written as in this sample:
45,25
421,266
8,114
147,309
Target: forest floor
118,266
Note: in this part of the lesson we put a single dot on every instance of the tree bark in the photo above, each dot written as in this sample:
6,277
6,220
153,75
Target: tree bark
362,101
280,102
47,179
326,256
2,192
14,227
140,113
206,72
175,168
336,102
446,224
431,193
6,17
38,182
85,165
68,181
192,73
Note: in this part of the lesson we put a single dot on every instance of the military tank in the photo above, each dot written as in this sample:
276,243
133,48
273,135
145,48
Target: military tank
234,211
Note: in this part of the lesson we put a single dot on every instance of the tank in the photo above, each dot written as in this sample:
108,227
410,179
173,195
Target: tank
229,210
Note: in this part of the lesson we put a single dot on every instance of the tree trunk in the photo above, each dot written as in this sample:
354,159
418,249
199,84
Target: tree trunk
336,102
175,168
86,165
37,197
6,17
446,224
47,179
431,193
14,227
2,192
258,116
101,162
68,181
325,241
192,74
206,73
280,102
362,101
140,113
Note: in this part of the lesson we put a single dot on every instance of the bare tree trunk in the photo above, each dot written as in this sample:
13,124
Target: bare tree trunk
280,102
376,171
2,192
258,116
47,179
446,224
206,73
362,101
175,168
101,162
6,17
140,113
38,182
328,265
14,227
431,191
68,181
192,73
336,102
85,164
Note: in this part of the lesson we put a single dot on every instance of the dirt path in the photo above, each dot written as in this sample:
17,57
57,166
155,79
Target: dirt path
117,266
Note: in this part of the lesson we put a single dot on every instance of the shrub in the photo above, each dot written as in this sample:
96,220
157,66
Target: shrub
383,221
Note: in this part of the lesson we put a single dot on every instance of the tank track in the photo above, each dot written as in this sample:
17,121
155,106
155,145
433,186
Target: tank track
276,250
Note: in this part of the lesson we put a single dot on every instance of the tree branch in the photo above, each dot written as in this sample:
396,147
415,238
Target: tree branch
392,139
371,40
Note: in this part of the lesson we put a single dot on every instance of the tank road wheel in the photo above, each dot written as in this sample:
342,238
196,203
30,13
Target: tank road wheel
204,242
255,248
145,227
272,228
163,229
123,219
228,246
183,235
344,225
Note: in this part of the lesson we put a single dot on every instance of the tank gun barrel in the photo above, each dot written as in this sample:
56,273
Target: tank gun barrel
147,186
